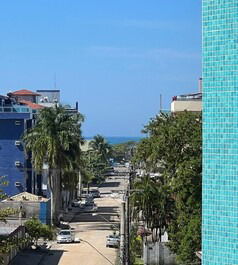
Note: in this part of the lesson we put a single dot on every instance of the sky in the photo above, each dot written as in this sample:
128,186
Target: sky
114,57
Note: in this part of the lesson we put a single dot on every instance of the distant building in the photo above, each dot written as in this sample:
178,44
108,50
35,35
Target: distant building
189,102
25,95
17,113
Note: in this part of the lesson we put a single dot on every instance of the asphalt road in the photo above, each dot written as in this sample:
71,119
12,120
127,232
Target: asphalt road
92,230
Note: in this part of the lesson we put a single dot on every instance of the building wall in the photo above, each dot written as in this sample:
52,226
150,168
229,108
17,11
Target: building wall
52,96
37,209
220,132
189,105
11,129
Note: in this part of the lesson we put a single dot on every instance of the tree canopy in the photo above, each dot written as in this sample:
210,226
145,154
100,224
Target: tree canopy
173,149
55,140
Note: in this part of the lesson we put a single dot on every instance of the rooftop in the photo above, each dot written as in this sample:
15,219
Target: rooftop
24,92
26,196
7,229
31,104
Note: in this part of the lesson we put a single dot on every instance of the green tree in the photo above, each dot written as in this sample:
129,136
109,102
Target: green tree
151,201
123,151
55,140
95,167
102,147
173,148
36,230
4,213
5,243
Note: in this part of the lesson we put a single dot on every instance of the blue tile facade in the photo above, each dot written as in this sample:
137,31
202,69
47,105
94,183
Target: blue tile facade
12,126
220,132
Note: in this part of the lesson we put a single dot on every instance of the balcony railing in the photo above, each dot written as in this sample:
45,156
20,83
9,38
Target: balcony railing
16,109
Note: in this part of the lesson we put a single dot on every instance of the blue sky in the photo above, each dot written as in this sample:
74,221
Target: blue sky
114,57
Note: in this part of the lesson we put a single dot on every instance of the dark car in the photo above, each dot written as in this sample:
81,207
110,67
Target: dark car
95,193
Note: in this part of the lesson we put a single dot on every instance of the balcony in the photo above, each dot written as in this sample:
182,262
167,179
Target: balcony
15,109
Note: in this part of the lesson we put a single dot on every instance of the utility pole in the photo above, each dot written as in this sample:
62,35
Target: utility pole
122,233
127,249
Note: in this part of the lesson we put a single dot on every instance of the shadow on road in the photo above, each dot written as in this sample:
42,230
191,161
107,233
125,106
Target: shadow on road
107,209
102,227
36,257
103,214
110,184
97,226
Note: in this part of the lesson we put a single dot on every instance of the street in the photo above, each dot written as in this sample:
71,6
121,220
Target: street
91,229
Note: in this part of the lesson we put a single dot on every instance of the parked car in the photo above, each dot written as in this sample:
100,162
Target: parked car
95,193
76,203
113,241
65,236
91,208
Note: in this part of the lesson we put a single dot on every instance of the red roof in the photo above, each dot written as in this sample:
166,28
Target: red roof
31,104
24,92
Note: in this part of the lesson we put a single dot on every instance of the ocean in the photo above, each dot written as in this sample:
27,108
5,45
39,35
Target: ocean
119,139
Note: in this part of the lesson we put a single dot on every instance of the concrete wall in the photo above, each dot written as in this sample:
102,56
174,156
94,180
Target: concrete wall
189,105
18,234
40,210
157,254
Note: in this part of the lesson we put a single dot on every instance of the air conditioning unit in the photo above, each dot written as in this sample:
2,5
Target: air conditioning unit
17,143
17,184
17,122
17,163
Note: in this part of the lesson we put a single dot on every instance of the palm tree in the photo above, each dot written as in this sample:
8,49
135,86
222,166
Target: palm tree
143,199
101,146
55,140
152,200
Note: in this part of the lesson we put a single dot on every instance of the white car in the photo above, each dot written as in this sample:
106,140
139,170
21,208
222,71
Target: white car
65,236
113,241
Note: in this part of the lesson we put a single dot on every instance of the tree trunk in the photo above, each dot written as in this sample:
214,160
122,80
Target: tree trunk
80,185
55,196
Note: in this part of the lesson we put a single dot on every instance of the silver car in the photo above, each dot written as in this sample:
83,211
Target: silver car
113,241
65,236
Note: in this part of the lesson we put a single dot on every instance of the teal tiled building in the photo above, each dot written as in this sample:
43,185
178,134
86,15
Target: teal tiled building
220,132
